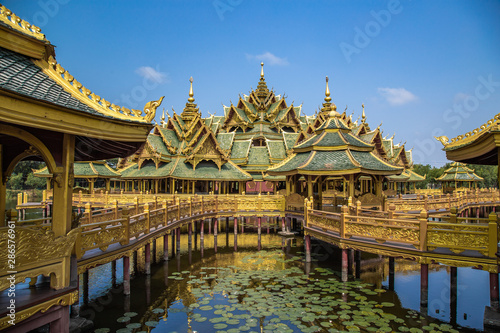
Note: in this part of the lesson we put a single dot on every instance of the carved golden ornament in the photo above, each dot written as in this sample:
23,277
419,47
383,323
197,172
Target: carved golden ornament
77,90
324,222
383,232
14,21
469,136
458,241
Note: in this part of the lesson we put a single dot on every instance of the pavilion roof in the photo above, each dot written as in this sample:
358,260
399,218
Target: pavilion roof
459,172
94,169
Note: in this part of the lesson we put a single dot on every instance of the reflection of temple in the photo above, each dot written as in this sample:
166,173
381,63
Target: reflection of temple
47,115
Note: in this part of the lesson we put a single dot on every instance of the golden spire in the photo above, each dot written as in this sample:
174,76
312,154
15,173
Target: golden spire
327,92
363,116
329,108
262,90
162,123
190,111
191,94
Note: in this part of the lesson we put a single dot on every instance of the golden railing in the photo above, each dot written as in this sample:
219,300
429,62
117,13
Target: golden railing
444,201
454,234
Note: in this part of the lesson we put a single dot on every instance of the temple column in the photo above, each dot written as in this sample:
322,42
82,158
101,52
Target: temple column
287,185
172,186
345,264
107,181
309,186
178,245
63,189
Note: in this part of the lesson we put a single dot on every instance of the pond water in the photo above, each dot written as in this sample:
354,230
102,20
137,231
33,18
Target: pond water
273,290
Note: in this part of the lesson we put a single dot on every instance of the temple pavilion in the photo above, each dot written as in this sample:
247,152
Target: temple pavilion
259,132
87,175
458,178
335,151
183,155
47,115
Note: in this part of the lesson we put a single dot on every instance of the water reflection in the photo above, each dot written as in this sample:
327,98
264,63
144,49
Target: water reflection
169,288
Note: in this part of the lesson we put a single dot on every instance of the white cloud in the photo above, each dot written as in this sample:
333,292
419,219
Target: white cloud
460,97
152,74
397,96
268,58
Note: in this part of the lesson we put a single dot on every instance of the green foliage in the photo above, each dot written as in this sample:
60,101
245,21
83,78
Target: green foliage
22,177
488,172
15,182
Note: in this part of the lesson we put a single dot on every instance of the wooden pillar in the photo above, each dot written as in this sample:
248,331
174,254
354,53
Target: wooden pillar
391,273
287,186
453,295
165,247
113,273
107,181
494,291
85,286
126,275
236,234
307,244
63,189
358,264
259,230
190,234
147,258
424,286
178,245
309,186
345,264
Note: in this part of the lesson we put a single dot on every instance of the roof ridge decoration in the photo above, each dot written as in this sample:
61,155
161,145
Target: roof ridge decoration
56,72
15,22
190,110
262,91
469,136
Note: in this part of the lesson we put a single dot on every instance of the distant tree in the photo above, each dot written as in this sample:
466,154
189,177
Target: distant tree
35,182
15,181
488,172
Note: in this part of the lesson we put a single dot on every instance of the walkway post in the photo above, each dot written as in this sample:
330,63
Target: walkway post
424,286
345,264
494,291
126,275
308,248
453,295
165,247
391,273
147,258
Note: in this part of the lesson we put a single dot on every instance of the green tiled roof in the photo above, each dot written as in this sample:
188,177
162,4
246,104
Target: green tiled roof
170,137
297,110
460,172
258,156
291,163
208,170
290,139
240,149
276,149
103,170
371,162
225,140
274,178
158,144
388,147
250,106
333,123
148,170
409,157
329,161
368,137
354,141
19,74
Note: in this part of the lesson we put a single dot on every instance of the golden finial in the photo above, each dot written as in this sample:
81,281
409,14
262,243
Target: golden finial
327,92
261,69
363,116
162,122
191,94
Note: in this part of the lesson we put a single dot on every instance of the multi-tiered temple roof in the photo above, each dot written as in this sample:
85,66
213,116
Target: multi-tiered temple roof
183,147
260,130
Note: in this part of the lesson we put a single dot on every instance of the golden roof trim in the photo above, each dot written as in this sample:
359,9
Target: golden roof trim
57,73
469,136
15,22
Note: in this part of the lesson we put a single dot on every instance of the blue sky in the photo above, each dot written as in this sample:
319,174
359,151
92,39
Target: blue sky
423,68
